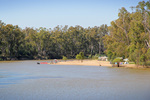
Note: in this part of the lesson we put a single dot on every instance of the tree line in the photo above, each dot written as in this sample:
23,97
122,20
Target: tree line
129,35
42,43
126,37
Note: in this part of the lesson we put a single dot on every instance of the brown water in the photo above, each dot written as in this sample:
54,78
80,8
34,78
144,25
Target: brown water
26,80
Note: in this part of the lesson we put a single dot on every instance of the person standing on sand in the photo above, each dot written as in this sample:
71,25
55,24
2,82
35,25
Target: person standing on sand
55,61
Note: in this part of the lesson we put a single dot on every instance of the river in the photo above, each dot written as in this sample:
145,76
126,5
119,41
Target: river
26,80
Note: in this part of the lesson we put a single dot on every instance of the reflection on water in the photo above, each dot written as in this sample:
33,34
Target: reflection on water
29,81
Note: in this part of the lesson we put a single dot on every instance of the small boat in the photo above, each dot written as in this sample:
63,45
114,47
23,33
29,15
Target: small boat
38,63
42,63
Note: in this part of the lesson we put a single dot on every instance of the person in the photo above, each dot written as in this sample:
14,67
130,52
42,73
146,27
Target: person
55,61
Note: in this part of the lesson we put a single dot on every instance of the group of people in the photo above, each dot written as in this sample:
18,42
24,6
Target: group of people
121,63
51,62
54,61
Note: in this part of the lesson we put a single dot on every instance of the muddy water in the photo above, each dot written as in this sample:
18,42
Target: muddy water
26,80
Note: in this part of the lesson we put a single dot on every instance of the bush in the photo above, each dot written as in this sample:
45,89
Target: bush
95,56
80,56
90,56
64,58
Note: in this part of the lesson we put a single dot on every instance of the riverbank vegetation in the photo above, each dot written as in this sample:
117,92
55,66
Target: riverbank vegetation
127,37
42,43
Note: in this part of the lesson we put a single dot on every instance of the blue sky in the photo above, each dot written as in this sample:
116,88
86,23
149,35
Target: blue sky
50,13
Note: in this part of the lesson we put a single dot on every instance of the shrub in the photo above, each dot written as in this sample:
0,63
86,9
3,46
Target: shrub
64,58
80,56
95,56
90,56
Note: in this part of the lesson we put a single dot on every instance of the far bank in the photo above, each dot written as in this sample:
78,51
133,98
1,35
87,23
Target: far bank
95,63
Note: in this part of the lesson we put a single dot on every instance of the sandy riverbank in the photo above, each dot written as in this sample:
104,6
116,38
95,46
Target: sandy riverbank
94,63
85,62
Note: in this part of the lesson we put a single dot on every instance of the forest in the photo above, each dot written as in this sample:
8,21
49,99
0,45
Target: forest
42,43
127,37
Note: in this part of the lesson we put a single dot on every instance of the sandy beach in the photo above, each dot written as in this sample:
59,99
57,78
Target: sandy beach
85,62
94,63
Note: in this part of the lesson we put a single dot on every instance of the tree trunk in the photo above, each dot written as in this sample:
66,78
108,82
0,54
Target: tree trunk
99,48
91,50
117,64
147,44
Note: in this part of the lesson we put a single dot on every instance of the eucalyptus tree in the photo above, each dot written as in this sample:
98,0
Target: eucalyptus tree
129,35
13,39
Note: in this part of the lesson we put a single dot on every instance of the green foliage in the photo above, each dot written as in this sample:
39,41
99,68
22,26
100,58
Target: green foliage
148,54
80,56
110,55
95,56
129,35
147,63
64,58
131,63
117,60
42,43
90,56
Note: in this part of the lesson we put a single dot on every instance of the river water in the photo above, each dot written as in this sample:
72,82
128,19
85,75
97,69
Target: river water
26,80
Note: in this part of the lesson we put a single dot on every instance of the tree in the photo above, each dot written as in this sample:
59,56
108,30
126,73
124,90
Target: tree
80,56
129,34
102,31
12,42
30,43
117,60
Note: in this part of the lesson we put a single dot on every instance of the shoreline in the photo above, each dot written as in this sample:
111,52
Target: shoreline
95,63
86,62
